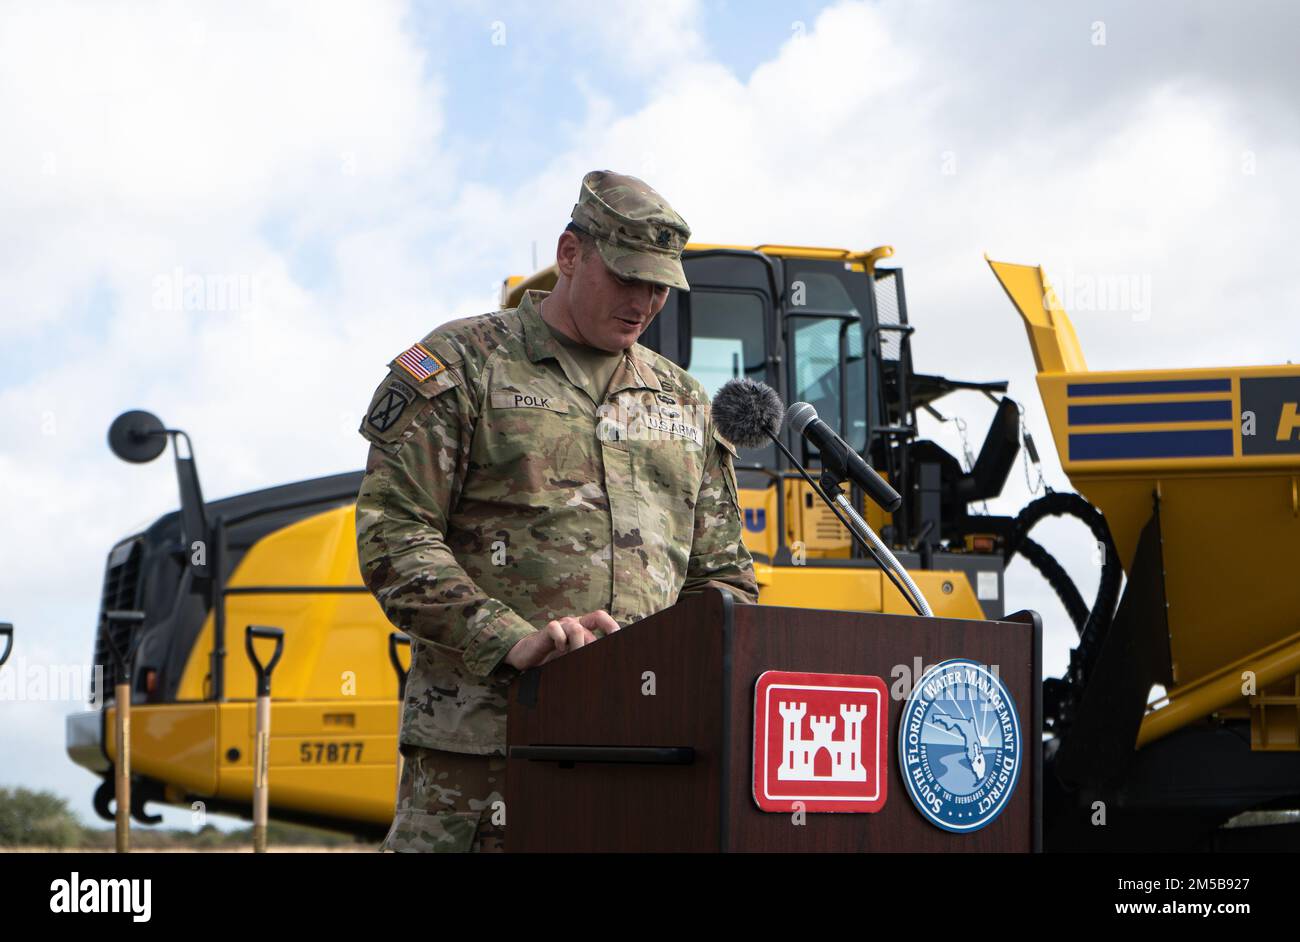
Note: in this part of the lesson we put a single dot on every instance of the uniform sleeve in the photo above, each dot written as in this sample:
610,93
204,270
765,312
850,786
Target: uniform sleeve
719,559
413,477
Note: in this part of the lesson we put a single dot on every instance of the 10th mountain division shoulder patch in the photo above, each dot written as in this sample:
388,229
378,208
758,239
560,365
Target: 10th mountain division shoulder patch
389,405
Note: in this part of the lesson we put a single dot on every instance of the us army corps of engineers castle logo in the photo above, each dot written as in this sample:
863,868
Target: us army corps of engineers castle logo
960,746
820,742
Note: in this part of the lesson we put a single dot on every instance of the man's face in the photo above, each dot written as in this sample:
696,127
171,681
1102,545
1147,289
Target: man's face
611,312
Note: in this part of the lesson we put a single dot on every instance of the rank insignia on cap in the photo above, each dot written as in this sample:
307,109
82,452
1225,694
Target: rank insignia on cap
420,363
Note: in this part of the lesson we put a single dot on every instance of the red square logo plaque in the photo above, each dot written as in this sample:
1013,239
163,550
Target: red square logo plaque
821,740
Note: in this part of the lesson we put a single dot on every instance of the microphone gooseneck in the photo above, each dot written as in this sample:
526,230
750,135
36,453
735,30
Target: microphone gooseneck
748,413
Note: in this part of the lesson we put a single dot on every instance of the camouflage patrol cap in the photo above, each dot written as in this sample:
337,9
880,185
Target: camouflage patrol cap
637,233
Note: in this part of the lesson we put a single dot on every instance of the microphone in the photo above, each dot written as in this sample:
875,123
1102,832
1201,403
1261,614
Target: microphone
747,413
839,458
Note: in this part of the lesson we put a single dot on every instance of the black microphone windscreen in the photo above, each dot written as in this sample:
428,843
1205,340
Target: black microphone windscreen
746,412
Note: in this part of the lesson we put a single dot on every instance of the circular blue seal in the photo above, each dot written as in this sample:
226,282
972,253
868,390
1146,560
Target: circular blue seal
959,745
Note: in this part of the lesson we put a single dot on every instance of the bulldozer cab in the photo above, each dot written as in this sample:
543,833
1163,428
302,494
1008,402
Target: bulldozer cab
802,325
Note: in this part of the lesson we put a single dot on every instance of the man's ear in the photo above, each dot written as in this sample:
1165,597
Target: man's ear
567,251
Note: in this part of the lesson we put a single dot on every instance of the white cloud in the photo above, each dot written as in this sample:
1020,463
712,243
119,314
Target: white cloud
646,43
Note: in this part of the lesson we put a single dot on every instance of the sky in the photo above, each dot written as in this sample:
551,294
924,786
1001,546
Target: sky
356,174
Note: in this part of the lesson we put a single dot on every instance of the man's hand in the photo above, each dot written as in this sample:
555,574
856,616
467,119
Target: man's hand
558,638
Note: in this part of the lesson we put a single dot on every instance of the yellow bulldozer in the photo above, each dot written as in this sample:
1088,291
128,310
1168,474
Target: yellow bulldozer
1187,480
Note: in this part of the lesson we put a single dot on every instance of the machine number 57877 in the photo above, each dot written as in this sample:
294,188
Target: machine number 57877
329,752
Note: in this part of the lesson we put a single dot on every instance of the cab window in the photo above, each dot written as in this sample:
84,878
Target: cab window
729,340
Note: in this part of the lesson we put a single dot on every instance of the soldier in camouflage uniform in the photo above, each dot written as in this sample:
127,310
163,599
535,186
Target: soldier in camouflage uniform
537,479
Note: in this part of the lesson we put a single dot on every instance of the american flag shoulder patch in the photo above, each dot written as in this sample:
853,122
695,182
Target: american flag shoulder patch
420,363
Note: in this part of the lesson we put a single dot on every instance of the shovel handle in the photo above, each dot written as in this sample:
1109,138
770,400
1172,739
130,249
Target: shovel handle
120,657
263,670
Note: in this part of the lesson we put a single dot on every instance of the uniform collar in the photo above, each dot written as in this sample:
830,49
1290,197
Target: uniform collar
538,340
634,372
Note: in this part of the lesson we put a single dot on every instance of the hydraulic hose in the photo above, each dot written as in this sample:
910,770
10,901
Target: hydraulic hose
1091,624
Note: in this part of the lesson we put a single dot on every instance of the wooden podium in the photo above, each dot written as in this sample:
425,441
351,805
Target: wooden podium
597,763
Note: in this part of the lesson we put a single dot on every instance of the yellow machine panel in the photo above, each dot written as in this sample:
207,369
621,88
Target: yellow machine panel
1215,454
351,655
